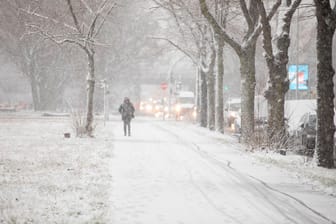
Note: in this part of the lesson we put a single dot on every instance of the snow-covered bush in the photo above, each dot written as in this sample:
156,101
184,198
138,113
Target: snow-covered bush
278,141
78,123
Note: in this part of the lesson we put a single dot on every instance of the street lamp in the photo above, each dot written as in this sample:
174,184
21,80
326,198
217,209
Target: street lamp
104,86
297,52
170,83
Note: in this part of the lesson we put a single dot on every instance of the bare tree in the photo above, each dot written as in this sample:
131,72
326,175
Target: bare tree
82,29
38,59
207,64
130,52
276,56
221,13
326,25
246,53
193,30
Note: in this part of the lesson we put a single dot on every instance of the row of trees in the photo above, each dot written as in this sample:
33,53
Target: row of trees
43,36
211,25
49,42
58,23
34,56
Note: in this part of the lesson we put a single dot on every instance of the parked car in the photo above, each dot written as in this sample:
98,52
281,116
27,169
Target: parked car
306,131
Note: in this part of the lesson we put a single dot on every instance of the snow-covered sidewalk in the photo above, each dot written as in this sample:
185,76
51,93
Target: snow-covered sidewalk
166,172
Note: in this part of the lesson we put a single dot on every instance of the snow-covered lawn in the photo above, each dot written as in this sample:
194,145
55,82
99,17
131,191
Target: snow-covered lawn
46,178
164,166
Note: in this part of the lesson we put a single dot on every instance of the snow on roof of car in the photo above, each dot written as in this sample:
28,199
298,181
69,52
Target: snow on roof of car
295,109
186,94
234,100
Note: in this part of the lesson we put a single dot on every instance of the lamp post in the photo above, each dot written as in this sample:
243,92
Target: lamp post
104,86
297,53
171,83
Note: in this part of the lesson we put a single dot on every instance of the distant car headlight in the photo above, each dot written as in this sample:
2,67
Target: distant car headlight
149,107
233,114
178,108
194,114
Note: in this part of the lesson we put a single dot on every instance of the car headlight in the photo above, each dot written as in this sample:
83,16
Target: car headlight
194,114
177,108
233,114
149,108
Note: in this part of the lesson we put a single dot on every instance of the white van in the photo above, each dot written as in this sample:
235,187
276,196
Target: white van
185,106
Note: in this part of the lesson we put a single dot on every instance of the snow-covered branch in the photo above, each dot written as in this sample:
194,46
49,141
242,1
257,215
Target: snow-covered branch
47,18
217,27
258,29
246,13
177,47
87,6
74,17
113,5
55,38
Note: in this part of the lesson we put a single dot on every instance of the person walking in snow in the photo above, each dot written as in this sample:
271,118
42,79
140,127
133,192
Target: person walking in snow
126,110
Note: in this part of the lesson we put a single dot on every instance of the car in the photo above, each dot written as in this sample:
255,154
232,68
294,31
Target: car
306,131
184,108
232,111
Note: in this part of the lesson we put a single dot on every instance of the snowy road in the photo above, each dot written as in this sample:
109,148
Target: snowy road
166,173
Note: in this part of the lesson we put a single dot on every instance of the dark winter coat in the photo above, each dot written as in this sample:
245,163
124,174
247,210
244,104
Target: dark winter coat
126,110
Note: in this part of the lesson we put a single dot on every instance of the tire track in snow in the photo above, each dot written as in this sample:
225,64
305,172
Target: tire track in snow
241,176
202,192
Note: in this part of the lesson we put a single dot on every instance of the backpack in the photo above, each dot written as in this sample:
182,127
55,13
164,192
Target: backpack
127,111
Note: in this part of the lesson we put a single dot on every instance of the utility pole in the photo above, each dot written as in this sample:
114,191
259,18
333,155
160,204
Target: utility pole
104,86
297,52
171,83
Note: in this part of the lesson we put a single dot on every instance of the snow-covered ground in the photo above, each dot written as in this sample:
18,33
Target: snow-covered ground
166,172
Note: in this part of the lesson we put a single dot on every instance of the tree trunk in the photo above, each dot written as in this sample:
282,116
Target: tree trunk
277,67
29,70
34,92
219,123
211,89
325,86
246,53
203,99
198,94
211,100
277,90
90,92
276,99
248,83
